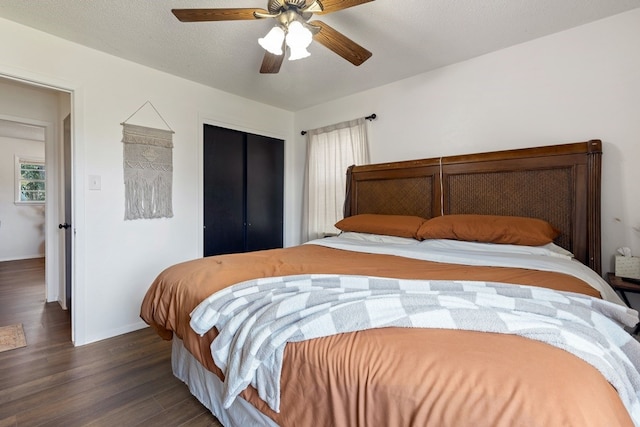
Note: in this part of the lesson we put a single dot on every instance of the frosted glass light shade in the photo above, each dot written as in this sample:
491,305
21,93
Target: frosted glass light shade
272,42
298,39
298,35
298,53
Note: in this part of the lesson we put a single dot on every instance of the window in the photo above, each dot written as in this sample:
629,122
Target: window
30,181
331,150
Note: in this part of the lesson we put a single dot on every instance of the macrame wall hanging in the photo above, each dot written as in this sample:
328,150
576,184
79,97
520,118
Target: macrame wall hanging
148,169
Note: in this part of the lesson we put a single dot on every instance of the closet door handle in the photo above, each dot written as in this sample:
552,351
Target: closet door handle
65,226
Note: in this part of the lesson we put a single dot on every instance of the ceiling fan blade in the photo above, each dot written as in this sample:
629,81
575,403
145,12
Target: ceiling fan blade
271,63
340,44
335,5
204,15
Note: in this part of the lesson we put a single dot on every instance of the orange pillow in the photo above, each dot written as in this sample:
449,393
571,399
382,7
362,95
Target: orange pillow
389,225
513,230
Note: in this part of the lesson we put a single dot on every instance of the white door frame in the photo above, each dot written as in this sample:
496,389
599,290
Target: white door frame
52,216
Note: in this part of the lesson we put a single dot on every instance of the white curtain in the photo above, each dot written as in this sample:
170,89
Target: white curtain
330,151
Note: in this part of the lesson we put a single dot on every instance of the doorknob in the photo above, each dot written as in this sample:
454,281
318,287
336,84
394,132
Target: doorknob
65,225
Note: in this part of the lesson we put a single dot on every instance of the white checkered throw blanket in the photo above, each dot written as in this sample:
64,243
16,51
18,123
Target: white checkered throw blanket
256,319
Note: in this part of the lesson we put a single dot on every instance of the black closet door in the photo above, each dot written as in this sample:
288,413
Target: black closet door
224,181
243,191
265,200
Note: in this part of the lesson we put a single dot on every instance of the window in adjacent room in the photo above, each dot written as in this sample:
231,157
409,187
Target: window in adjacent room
330,151
30,180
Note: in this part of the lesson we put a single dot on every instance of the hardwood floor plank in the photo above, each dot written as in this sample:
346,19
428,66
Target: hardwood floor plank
182,413
122,381
203,420
9,422
172,395
133,413
81,400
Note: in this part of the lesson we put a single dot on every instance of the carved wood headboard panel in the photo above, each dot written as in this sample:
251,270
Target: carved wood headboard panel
559,183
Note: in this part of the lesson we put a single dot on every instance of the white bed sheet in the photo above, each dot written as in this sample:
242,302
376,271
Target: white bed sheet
471,256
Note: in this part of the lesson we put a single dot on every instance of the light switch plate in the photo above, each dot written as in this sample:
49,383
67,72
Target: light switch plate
94,182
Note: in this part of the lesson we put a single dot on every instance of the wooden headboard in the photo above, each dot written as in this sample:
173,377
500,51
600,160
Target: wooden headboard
559,183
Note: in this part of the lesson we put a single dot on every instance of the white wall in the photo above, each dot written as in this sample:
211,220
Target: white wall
116,260
21,226
573,86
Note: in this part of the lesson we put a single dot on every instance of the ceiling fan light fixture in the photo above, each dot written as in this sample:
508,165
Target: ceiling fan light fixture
298,36
272,42
298,53
294,30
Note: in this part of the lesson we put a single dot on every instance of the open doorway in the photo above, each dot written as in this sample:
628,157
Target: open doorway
31,214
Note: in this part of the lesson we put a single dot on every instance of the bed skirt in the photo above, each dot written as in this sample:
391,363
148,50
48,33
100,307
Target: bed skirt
207,388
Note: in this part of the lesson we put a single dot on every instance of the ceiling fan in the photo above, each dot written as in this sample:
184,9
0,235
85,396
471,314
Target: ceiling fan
293,30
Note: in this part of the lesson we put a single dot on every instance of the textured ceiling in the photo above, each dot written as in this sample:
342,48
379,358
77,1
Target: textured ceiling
406,38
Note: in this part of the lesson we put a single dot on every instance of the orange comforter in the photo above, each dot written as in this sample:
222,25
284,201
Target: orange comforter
394,376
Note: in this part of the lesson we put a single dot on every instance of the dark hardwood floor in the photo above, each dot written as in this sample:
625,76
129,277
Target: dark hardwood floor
122,381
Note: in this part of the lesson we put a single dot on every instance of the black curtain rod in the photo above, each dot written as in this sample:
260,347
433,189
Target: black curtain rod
371,117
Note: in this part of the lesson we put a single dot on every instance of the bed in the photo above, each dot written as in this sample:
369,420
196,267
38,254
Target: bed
462,290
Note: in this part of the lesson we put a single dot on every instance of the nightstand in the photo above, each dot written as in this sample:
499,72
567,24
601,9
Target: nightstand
622,287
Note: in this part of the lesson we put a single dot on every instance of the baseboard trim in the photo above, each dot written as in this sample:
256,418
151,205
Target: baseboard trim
22,258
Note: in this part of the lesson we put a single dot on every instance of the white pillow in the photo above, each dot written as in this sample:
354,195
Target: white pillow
550,249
